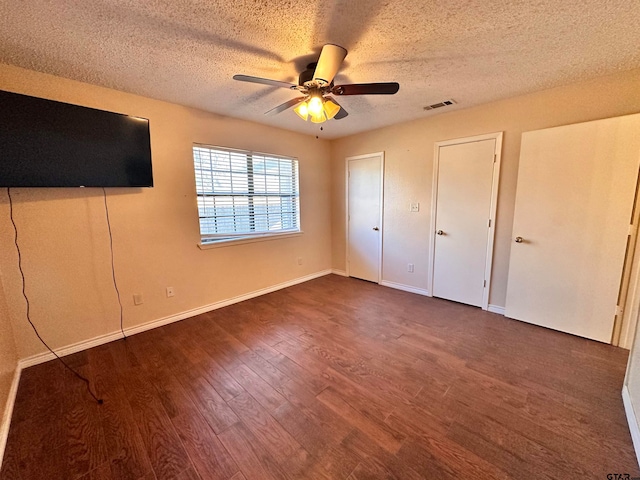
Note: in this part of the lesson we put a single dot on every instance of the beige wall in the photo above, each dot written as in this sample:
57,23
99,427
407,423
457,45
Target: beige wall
64,238
409,148
632,380
8,357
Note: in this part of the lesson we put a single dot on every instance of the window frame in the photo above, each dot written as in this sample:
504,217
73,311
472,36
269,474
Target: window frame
222,239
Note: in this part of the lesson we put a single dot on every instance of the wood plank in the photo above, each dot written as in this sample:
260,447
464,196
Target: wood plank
215,410
254,461
332,425
298,374
9,467
264,393
333,378
384,435
163,447
376,462
442,458
190,474
264,427
123,440
102,472
209,457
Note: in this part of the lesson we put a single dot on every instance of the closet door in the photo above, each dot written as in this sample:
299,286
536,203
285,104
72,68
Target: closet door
574,201
462,237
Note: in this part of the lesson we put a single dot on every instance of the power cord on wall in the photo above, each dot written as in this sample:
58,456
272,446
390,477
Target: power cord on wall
24,294
113,268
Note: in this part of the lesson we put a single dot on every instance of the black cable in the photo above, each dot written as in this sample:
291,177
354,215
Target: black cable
113,268
24,294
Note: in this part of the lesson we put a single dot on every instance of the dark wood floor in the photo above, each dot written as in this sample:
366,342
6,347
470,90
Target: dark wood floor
332,379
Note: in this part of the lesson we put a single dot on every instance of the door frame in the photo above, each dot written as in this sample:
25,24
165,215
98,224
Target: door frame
492,218
380,155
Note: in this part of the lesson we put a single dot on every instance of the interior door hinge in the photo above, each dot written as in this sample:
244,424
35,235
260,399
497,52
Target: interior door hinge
619,310
489,223
485,284
495,157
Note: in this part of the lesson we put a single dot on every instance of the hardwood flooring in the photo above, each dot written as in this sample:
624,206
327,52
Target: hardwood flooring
335,378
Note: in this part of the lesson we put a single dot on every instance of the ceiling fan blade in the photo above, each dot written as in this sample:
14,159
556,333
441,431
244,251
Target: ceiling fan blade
329,63
285,106
388,88
342,112
265,81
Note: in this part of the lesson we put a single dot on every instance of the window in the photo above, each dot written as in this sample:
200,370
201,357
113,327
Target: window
244,194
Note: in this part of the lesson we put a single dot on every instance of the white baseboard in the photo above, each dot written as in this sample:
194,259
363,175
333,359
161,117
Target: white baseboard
8,411
69,349
342,273
109,337
632,421
496,309
406,288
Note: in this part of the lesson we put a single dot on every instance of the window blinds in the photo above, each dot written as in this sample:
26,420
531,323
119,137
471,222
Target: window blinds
245,193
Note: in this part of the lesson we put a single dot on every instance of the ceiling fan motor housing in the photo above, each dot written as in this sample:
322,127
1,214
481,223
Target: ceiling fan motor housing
307,75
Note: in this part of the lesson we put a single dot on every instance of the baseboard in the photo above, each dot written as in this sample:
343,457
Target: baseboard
632,421
69,349
223,303
406,288
8,411
496,309
342,273
109,337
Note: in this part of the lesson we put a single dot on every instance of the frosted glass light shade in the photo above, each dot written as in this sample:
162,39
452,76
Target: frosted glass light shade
302,110
330,109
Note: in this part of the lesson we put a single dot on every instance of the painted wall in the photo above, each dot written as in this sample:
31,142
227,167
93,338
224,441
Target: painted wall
631,390
409,151
632,380
64,238
8,361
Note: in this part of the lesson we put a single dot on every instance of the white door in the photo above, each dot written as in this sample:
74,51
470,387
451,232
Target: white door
576,187
463,209
364,216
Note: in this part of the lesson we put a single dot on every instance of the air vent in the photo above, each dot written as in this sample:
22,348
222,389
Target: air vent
444,103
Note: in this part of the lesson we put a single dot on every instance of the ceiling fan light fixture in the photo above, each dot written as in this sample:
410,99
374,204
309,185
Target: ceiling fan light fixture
330,109
315,106
302,110
320,118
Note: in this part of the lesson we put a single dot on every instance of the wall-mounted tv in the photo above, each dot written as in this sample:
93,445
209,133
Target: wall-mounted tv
44,143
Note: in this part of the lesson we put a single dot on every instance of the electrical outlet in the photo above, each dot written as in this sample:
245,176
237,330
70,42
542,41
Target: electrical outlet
414,207
170,292
137,299
299,260
410,267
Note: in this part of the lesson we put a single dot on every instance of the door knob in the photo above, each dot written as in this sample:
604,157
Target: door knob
440,232
376,228
519,239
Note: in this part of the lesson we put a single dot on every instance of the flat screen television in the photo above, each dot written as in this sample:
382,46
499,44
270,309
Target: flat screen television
44,143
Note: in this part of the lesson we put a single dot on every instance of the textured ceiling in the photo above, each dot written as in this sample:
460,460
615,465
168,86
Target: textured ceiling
186,51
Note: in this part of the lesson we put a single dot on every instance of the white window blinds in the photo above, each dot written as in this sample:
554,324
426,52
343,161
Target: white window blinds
244,193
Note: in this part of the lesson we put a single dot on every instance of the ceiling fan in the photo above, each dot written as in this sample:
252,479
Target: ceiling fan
316,86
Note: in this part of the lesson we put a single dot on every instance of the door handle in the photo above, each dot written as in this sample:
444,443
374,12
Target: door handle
440,232
519,239
376,228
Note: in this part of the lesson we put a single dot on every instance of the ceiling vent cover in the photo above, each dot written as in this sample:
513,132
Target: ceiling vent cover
444,103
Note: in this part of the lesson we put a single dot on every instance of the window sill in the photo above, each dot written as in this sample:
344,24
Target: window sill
243,240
